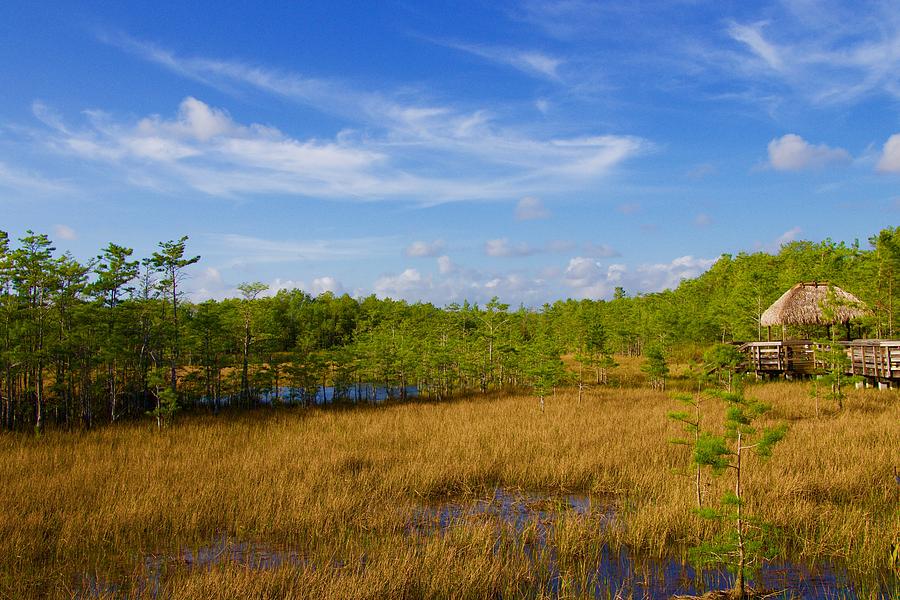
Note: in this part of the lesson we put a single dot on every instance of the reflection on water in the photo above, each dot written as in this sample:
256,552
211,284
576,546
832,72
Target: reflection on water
224,550
325,394
621,573
531,518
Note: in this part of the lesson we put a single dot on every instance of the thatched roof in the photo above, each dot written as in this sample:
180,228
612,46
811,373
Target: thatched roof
803,305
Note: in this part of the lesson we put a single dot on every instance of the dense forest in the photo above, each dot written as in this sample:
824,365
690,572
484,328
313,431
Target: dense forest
83,343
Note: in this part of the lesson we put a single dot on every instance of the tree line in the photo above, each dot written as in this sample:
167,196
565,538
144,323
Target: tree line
89,342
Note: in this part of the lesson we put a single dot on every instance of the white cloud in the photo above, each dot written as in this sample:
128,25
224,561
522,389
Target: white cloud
703,220
453,283
278,284
792,153
581,271
64,232
890,155
421,249
208,284
530,208
660,276
587,278
502,247
206,150
445,265
320,285
402,285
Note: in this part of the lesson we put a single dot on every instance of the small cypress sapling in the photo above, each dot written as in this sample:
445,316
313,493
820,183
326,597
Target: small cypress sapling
656,368
583,359
746,539
606,363
690,420
725,360
831,356
166,398
832,359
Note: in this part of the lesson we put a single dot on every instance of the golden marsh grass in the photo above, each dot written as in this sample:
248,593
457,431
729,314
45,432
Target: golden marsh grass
340,488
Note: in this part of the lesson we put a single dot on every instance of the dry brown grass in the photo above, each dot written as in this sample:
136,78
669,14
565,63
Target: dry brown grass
339,488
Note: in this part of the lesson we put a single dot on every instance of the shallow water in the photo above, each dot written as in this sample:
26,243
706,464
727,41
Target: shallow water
622,573
614,573
319,394
223,550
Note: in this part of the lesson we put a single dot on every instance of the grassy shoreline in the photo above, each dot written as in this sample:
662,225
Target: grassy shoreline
339,487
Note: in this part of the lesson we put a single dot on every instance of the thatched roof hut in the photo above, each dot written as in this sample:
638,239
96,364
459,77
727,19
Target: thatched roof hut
806,304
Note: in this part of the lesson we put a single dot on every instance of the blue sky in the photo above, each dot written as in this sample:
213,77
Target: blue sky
446,150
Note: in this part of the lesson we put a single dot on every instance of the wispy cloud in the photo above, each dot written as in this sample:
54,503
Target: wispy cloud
703,220
231,249
564,19
530,62
599,250
407,124
502,247
827,55
21,180
64,232
752,36
205,149
787,237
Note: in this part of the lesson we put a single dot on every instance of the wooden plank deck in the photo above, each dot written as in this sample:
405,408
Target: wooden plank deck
878,360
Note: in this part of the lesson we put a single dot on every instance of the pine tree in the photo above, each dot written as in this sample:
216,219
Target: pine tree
114,272
171,263
249,292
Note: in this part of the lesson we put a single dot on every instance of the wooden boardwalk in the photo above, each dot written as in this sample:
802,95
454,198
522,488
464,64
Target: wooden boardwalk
878,361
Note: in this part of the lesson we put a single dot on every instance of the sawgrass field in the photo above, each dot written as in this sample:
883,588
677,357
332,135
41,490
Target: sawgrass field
346,503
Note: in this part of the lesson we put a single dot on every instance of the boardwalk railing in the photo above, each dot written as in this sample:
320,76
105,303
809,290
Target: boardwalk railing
873,359
878,359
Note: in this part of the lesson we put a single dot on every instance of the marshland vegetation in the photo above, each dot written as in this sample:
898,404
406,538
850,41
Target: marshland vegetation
337,496
244,486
